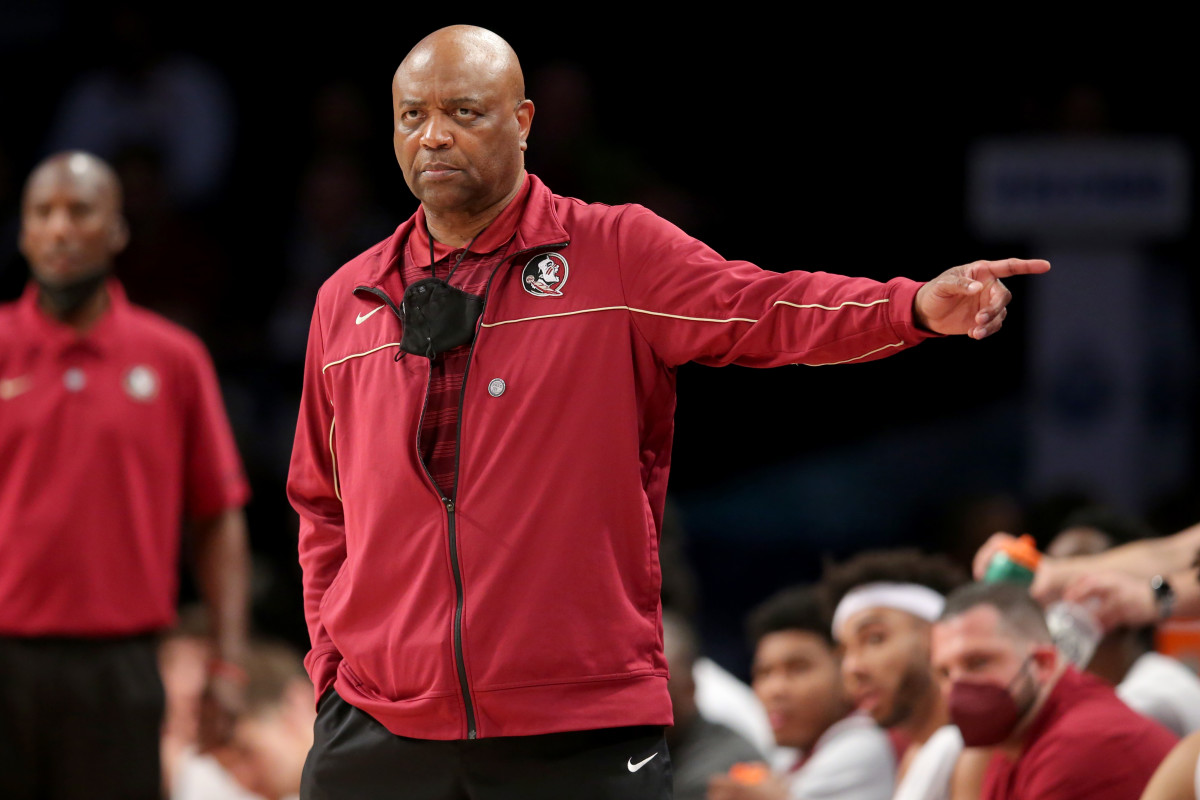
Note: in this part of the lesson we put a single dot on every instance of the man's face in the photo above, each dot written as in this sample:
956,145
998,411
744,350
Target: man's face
973,647
885,663
266,754
183,664
71,226
795,675
460,129
1078,541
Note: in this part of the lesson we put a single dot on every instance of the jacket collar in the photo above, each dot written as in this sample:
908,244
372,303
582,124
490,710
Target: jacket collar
530,220
493,237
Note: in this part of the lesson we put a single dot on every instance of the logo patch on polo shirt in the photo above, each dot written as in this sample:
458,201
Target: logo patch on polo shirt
141,383
545,275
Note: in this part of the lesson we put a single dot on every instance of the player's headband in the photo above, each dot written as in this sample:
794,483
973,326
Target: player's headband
918,600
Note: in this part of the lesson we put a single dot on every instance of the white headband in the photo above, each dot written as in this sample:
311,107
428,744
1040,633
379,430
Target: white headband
918,600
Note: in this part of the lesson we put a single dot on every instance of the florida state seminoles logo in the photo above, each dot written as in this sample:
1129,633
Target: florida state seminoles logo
141,383
545,275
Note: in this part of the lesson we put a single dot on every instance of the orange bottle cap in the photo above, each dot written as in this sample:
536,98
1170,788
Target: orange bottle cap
1024,551
749,774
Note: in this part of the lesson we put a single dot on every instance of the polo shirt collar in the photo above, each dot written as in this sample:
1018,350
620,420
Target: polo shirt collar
537,226
498,232
100,338
1060,697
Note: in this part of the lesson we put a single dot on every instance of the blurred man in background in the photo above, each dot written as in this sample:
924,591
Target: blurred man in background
842,754
113,433
272,737
885,602
264,756
1056,732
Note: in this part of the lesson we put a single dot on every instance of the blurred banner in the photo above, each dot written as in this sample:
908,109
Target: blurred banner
1111,353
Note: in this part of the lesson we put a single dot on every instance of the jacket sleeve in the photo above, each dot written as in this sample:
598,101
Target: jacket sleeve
313,491
693,305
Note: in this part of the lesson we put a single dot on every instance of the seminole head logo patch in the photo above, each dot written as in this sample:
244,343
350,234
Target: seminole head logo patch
141,383
545,275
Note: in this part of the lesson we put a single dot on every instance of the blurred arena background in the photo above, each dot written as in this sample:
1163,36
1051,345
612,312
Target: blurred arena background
256,155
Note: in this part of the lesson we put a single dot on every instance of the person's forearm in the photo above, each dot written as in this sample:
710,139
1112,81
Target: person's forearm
1150,557
1187,593
1146,558
222,568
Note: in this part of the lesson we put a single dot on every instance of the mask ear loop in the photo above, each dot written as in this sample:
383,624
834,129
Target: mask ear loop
1022,672
433,270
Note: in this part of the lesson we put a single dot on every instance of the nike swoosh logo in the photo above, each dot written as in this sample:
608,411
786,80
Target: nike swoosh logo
361,318
12,387
635,767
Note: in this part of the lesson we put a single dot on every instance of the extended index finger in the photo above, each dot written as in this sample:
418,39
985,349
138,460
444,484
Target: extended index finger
984,270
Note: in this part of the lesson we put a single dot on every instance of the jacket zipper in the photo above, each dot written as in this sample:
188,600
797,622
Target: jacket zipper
472,731
459,663
459,594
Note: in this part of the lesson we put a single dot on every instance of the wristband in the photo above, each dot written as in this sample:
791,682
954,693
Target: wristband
1164,596
218,668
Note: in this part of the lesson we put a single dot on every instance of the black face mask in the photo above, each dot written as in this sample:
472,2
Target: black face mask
65,299
437,317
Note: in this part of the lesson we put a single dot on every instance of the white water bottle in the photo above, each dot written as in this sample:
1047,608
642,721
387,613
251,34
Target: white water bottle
1075,631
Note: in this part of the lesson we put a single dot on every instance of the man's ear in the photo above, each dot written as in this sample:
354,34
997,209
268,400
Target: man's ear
1046,659
118,236
524,121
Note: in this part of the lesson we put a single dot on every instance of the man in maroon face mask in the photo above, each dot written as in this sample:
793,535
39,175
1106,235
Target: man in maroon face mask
1056,732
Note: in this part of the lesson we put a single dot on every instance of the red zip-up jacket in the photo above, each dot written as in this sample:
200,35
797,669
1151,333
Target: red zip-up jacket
530,603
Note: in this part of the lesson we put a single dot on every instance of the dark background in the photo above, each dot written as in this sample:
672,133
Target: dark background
835,144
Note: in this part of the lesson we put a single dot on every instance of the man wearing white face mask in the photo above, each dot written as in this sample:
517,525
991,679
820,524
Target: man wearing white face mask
1057,733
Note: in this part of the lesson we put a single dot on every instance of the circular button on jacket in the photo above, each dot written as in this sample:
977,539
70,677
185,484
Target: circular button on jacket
74,379
496,387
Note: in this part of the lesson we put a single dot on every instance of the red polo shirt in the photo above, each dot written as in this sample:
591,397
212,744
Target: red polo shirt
1085,744
107,440
439,424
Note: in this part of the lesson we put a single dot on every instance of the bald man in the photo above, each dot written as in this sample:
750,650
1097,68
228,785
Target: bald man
481,456
112,434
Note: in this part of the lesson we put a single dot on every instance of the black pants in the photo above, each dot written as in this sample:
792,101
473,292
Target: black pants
80,719
353,756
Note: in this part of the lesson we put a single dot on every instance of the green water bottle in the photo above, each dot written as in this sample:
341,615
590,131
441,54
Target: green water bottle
1073,627
1016,562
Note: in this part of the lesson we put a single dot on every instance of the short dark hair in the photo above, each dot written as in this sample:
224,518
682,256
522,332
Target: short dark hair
901,565
271,666
1019,612
796,608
